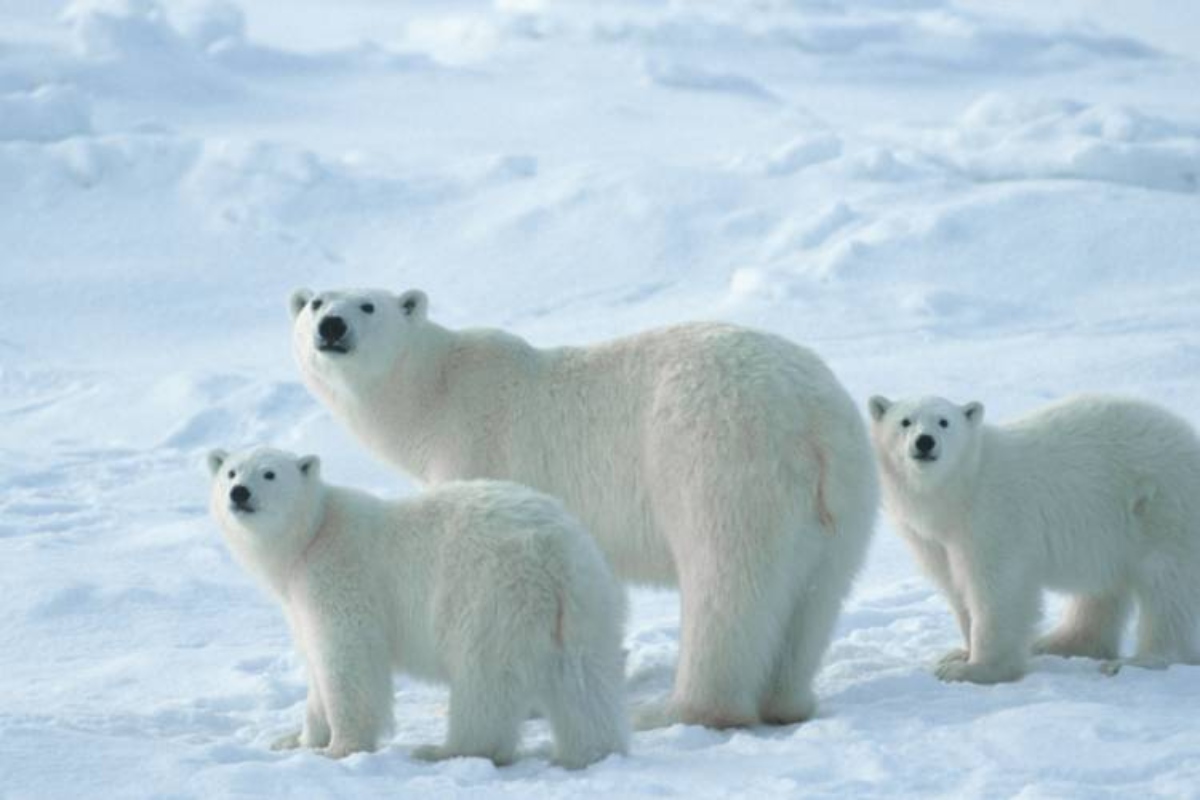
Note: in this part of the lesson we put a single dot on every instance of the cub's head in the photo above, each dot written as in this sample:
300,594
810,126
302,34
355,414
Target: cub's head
353,334
923,441
267,502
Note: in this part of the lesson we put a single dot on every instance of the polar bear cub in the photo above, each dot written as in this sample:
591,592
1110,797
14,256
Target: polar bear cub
1095,496
727,462
487,586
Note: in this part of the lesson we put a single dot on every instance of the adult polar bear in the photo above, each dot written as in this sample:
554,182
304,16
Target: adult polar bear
1094,495
725,461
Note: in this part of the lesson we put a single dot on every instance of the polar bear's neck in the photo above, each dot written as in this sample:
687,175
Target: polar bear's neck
448,398
273,557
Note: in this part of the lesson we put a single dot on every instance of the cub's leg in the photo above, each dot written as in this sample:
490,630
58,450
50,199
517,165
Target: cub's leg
1004,604
1168,592
355,683
1091,628
487,707
584,696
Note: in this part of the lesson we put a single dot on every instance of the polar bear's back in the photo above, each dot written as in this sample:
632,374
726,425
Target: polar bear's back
1101,432
1113,476
653,427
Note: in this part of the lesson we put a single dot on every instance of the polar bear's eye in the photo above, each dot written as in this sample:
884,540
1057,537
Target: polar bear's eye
230,474
269,475
316,304
944,423
368,308
904,423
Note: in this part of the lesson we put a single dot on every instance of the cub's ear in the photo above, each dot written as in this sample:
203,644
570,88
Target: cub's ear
215,459
298,301
973,412
878,406
414,304
309,466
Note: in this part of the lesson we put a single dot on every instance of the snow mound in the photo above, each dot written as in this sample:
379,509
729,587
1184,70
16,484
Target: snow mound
679,75
46,114
1002,137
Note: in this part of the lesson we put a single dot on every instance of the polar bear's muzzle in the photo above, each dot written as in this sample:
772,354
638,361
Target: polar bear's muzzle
239,500
925,449
333,336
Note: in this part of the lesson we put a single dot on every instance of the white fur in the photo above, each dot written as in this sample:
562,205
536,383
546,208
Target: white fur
487,586
1095,496
725,461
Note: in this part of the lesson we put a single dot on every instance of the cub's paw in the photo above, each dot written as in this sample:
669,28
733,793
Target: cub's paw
1113,666
655,714
955,671
289,742
955,656
1072,646
342,749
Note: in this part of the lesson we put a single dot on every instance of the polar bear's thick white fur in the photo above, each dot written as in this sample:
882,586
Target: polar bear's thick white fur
1094,496
725,461
488,586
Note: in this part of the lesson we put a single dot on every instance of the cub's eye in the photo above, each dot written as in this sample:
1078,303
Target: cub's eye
904,423
368,308
316,304
230,474
269,475
944,423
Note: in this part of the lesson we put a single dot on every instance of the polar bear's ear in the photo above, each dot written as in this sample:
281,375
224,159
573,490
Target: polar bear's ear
973,412
299,300
414,304
309,466
215,459
878,406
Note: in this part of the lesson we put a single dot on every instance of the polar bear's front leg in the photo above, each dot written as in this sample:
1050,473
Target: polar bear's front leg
1004,602
355,685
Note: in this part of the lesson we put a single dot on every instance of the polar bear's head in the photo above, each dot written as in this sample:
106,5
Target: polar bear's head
268,504
923,441
353,335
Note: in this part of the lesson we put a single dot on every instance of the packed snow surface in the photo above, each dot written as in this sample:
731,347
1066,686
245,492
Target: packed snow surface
981,200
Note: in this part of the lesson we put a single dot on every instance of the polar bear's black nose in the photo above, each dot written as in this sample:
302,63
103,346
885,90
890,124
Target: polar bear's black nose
925,443
239,494
332,328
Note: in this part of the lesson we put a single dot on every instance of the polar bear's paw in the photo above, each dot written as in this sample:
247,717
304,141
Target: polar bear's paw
955,671
954,656
289,742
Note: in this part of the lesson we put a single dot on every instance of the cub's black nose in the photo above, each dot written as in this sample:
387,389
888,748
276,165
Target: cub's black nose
925,443
332,328
239,494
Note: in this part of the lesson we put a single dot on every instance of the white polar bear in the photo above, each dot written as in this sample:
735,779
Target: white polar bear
488,586
1095,496
725,461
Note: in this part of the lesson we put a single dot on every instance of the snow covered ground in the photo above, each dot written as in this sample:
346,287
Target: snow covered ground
988,201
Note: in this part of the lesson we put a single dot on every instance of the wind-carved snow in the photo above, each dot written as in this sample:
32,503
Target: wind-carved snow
935,198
